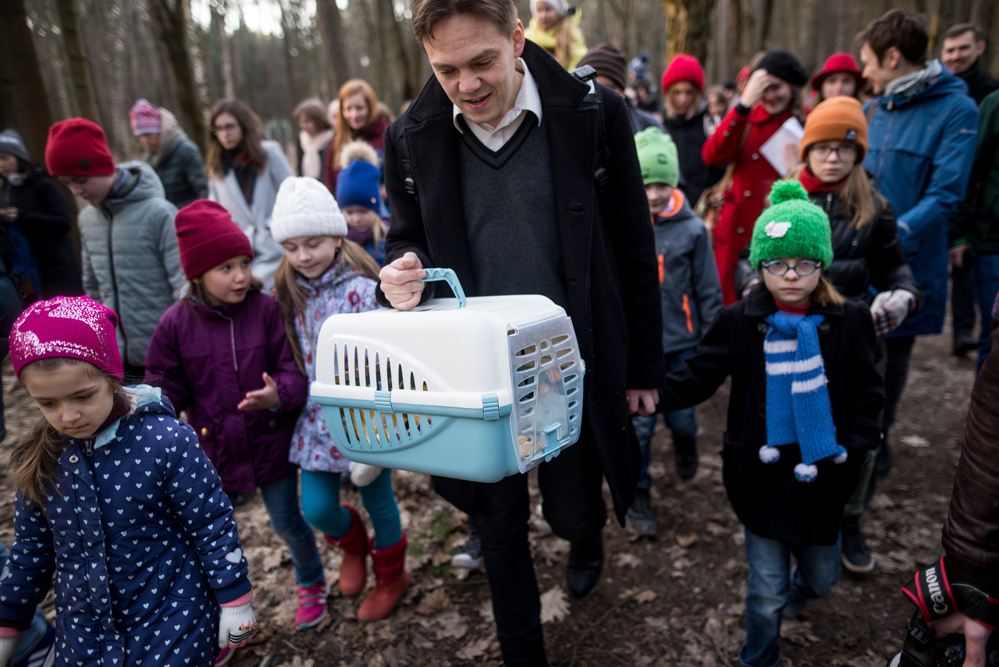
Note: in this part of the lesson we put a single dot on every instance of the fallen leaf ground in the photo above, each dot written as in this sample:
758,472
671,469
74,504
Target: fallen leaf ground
677,600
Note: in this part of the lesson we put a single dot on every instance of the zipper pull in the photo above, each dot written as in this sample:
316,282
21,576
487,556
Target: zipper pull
88,447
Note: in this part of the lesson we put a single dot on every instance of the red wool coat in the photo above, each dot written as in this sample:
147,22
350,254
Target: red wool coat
751,184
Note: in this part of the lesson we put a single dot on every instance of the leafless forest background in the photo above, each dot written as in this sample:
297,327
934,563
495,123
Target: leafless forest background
93,58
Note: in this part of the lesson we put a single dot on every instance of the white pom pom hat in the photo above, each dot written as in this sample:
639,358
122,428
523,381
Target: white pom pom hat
305,207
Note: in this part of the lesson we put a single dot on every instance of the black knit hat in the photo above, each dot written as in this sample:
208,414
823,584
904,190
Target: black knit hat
785,66
608,61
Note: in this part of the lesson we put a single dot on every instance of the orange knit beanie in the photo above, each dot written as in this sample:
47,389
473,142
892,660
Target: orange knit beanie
839,118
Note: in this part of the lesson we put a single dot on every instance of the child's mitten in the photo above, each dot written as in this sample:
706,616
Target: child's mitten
361,474
7,647
890,308
237,624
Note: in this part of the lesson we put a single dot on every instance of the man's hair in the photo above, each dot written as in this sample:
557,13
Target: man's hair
960,29
903,30
428,13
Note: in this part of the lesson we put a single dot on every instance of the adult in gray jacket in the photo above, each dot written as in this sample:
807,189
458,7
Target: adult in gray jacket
244,174
176,159
129,248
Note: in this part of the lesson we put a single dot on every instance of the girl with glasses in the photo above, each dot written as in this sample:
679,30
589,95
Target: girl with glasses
870,266
803,413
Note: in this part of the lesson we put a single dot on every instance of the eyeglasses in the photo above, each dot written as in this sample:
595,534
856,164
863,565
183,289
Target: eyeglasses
845,152
805,267
225,129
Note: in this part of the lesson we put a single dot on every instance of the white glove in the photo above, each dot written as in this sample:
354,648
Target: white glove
237,626
890,308
7,648
361,474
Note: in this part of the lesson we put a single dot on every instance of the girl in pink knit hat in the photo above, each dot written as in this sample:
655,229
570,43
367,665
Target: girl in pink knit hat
116,497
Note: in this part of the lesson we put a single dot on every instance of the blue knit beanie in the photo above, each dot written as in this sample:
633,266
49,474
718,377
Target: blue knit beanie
357,185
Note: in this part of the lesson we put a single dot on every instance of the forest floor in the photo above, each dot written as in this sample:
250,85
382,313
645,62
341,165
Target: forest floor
674,601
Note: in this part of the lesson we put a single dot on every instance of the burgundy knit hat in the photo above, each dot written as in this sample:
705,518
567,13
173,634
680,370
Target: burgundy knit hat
78,147
684,68
67,326
145,118
207,236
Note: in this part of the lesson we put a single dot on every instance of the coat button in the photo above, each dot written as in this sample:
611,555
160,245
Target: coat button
756,156
726,133
747,194
204,431
74,458
740,230
272,423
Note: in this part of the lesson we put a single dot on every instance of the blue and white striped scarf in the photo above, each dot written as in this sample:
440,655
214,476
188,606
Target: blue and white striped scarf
798,407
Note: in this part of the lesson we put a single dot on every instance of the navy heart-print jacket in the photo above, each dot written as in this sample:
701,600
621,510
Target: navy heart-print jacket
142,542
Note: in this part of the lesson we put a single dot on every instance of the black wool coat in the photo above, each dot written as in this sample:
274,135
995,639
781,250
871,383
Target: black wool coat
767,498
608,248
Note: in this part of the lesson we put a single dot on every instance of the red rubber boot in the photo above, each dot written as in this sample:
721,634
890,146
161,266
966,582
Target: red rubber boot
393,580
354,568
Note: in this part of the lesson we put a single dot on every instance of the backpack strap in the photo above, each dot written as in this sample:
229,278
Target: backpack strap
588,75
409,179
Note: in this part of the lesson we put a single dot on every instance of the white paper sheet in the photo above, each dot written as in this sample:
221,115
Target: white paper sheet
790,132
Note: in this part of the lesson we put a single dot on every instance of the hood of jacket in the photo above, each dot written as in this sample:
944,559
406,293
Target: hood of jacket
145,400
147,187
946,83
683,214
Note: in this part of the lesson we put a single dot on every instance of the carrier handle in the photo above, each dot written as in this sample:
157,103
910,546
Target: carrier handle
451,278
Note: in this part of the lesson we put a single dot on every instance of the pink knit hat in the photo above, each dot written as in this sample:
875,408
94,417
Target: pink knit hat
67,326
145,118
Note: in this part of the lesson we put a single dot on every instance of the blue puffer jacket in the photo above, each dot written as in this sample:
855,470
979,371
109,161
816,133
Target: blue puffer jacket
142,542
921,150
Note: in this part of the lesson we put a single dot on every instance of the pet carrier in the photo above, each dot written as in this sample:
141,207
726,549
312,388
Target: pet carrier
475,389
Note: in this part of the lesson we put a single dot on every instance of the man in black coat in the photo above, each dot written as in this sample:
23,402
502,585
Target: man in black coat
504,148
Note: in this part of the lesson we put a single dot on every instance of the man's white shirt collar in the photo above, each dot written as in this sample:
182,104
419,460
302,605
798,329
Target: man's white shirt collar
528,99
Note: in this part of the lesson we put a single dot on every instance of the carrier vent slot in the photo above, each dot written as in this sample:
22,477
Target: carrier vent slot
529,396
529,380
571,390
570,378
564,351
559,339
527,412
529,366
547,359
566,365
523,352
544,345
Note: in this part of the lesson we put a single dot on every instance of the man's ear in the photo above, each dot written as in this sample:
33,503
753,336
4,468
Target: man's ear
892,59
518,39
980,48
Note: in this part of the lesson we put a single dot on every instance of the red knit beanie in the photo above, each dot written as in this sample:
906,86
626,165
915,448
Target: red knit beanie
67,326
207,236
684,68
78,147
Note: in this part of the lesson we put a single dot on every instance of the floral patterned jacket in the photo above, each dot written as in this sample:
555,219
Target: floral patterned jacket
342,289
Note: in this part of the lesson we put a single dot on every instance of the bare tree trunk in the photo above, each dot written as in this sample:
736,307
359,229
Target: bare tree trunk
288,30
170,19
334,39
79,72
408,55
688,27
24,103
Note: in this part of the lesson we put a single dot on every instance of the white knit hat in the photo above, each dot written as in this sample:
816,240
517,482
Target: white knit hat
305,207
561,7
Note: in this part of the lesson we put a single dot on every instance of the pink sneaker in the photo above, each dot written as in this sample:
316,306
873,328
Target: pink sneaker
224,656
311,605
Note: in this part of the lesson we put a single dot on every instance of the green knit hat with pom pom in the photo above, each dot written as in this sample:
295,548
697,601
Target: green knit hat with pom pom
792,227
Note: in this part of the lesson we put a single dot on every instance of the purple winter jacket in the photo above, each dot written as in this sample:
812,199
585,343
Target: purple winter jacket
205,360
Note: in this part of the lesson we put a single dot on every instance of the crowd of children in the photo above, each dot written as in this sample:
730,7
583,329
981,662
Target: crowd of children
215,310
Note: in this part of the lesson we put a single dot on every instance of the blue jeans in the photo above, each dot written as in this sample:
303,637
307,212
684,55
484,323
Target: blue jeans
39,625
681,423
281,500
321,503
986,274
774,585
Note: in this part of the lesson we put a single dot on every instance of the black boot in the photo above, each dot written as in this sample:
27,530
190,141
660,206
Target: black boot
641,517
685,450
856,555
586,562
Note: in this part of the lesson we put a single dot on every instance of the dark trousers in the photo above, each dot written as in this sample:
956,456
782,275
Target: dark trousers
573,505
896,374
962,301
